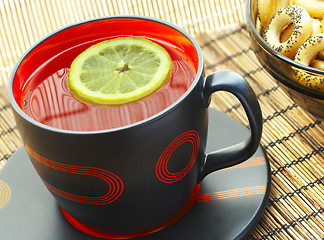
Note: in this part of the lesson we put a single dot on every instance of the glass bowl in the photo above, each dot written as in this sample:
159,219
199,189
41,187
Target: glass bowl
284,69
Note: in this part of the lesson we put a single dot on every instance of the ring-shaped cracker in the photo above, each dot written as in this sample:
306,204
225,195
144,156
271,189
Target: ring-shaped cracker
320,55
317,26
302,29
319,64
315,8
266,8
305,55
265,11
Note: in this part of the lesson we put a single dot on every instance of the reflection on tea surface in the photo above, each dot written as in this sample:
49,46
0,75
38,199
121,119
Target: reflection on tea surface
51,103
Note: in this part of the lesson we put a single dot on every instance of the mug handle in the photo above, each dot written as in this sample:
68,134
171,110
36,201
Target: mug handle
227,80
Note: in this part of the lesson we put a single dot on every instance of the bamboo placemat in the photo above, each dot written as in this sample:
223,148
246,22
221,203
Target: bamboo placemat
292,139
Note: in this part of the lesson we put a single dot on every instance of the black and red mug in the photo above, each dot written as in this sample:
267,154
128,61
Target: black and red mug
136,179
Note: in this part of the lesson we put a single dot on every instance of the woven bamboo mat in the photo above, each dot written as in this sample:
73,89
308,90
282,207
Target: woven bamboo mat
292,139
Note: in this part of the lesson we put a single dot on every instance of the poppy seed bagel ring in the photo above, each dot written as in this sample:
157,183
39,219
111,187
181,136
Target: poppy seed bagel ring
305,55
266,9
302,29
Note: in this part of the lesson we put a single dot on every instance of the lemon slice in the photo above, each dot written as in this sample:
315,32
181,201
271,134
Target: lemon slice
119,70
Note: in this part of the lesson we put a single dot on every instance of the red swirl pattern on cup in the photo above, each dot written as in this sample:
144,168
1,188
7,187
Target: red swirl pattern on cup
162,172
114,183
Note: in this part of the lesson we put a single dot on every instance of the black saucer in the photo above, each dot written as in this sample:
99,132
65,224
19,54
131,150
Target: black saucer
230,203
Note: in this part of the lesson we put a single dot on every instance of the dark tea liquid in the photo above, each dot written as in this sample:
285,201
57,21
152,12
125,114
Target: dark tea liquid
49,101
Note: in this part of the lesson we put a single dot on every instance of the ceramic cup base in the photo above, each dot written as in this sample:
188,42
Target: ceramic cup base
94,233
229,204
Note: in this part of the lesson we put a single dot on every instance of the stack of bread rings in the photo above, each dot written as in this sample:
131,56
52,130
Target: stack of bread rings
295,28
